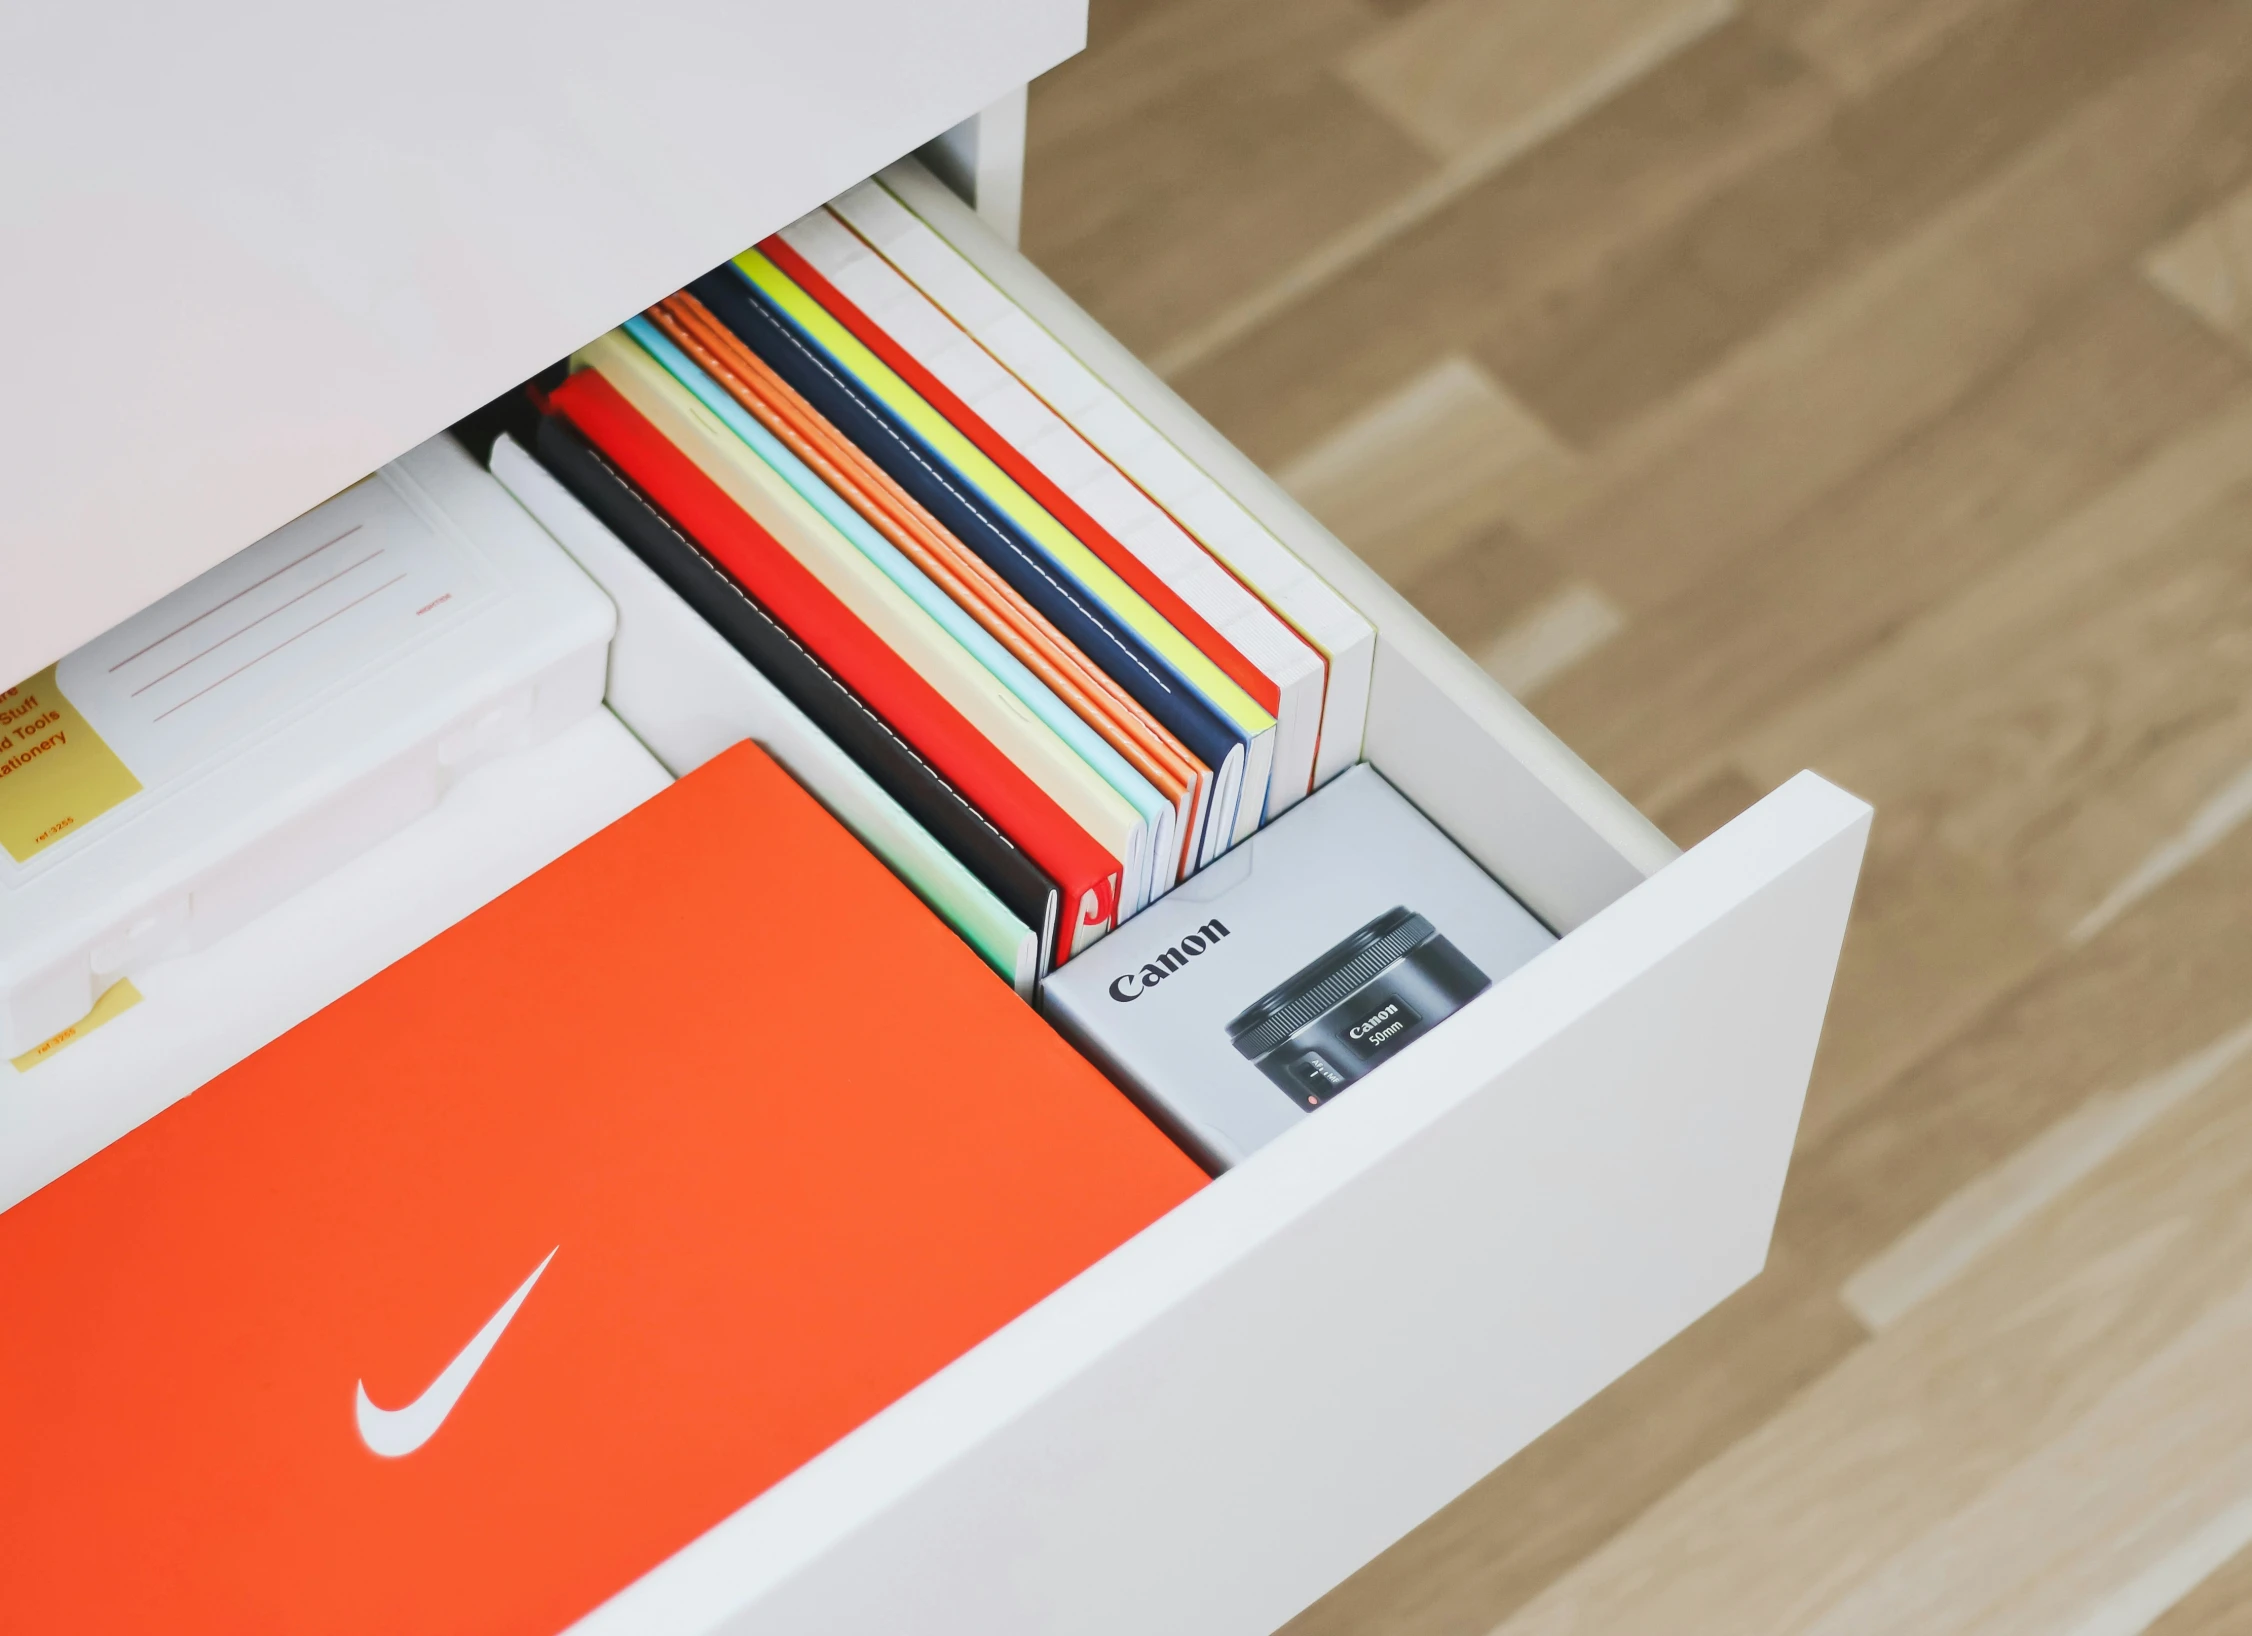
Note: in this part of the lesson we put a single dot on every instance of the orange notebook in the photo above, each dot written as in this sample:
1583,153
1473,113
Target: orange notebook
1138,736
487,1288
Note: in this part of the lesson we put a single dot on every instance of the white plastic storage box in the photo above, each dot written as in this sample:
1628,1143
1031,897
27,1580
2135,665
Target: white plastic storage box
277,714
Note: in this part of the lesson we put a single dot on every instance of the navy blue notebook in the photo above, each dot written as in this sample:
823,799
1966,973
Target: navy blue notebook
983,528
753,632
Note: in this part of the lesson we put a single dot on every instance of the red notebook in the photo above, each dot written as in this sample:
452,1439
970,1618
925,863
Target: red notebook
481,1292
1084,871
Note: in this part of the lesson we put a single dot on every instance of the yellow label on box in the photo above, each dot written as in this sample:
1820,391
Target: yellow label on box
120,997
56,774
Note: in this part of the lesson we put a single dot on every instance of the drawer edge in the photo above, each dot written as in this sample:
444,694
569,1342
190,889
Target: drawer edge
1206,1430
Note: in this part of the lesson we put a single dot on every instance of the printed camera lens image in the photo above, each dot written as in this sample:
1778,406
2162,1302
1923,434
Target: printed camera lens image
1390,982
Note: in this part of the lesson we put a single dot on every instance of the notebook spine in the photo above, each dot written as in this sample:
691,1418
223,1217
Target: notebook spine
1086,875
1143,673
800,676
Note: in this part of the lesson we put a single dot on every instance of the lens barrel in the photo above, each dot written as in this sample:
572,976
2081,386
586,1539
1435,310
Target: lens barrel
1389,983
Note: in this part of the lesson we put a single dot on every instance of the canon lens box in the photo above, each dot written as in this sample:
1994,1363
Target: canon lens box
1293,968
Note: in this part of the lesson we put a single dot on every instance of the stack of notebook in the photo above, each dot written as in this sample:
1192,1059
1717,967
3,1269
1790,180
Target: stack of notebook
1064,669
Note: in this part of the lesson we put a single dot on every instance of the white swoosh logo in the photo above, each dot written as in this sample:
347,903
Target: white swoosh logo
393,1432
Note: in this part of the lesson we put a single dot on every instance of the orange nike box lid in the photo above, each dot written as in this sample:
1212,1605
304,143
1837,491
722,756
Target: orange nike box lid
599,1213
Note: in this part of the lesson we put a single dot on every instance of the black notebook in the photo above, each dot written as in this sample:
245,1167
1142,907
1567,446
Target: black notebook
800,676
985,530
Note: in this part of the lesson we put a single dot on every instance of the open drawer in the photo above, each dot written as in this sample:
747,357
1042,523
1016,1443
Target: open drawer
1227,1415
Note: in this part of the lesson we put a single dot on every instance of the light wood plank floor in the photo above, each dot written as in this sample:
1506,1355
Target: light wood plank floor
1760,384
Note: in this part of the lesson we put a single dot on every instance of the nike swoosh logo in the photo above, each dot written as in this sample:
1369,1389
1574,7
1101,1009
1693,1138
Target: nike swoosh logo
393,1432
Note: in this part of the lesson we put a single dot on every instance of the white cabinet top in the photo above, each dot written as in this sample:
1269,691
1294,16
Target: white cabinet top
252,251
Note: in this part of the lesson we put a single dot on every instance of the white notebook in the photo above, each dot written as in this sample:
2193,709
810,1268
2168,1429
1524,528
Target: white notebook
1293,670
915,237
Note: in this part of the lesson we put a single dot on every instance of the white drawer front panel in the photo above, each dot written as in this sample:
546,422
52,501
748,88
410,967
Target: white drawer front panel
1211,1427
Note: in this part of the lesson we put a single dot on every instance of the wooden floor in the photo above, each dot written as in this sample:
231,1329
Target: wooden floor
1855,384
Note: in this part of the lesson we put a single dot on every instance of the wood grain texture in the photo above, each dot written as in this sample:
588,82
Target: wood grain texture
1935,939
2051,717
1416,472
2219,1605
1832,386
1466,72
1526,237
1856,384
1868,1500
1862,43
1653,321
2114,379
1499,1545
2208,268
1250,153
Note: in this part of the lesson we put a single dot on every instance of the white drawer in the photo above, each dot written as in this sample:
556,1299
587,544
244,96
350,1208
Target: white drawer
1222,1419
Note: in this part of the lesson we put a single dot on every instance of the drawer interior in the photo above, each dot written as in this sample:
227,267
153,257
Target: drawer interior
1583,1160
1441,731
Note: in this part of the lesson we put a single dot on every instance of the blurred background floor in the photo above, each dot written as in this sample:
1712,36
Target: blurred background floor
1855,384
